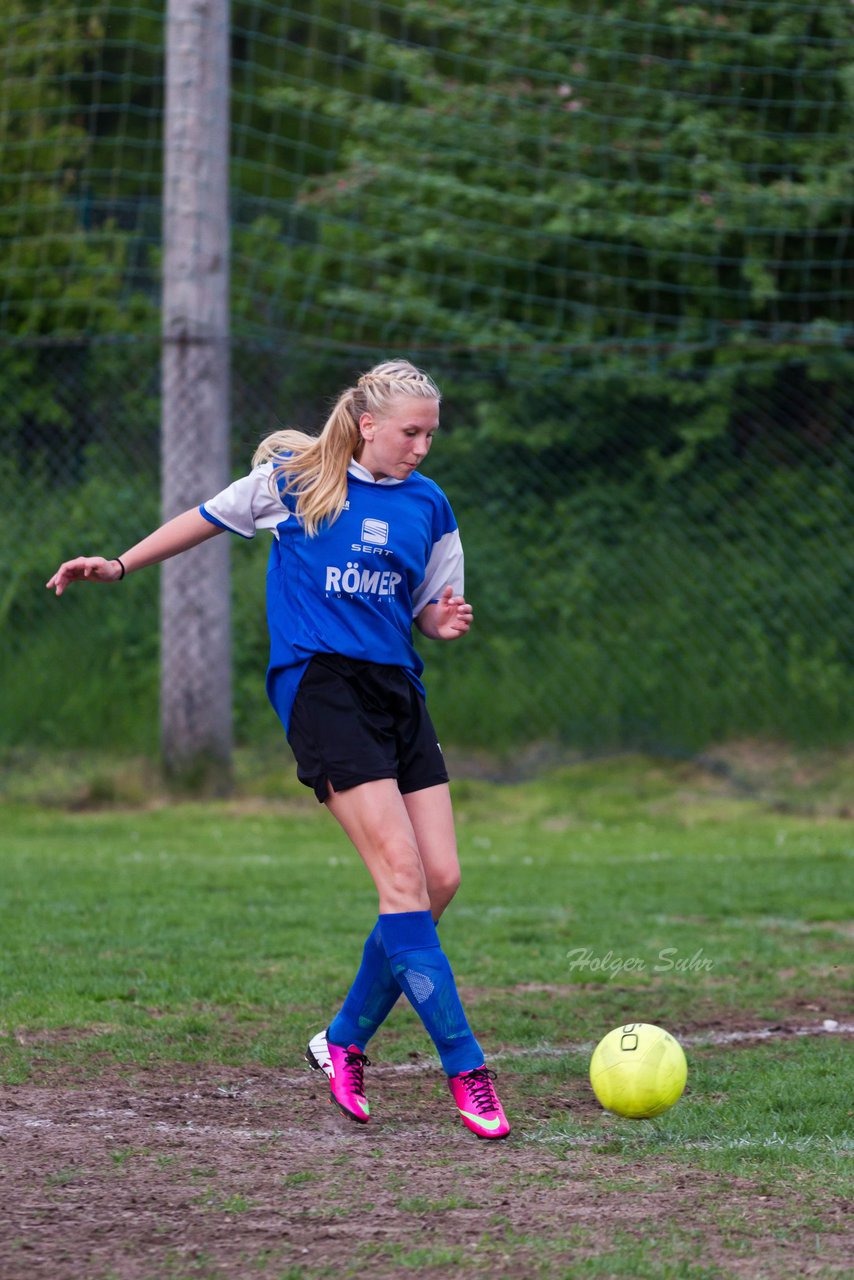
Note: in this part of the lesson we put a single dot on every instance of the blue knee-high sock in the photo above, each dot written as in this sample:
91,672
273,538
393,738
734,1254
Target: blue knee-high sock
421,967
373,995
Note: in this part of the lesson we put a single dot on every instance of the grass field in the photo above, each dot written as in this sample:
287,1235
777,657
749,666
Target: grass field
164,965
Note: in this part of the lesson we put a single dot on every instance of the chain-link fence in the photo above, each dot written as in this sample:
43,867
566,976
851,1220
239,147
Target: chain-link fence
618,236
642,573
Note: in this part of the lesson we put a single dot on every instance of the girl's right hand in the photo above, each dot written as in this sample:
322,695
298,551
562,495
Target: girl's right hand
83,569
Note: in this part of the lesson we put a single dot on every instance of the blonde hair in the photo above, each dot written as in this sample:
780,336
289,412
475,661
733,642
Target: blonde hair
315,468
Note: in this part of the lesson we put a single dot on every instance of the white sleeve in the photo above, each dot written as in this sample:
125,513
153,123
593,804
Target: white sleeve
249,504
444,569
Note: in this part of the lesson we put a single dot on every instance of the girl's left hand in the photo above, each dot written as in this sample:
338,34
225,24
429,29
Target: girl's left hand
453,616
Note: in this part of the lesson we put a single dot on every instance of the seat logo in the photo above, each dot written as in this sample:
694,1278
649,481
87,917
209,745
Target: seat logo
375,532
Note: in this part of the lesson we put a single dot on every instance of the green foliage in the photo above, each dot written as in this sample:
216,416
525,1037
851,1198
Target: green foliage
577,177
607,228
64,274
82,669
619,237
670,615
60,274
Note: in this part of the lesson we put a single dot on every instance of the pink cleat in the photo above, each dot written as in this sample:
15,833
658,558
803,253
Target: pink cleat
475,1096
345,1069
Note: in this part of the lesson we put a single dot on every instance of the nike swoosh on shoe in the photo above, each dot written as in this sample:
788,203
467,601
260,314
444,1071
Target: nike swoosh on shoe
486,1124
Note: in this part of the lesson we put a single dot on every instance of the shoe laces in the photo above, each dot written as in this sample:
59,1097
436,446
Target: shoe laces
354,1064
480,1088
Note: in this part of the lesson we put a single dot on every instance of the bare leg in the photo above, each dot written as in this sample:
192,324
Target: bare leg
395,835
432,821
376,820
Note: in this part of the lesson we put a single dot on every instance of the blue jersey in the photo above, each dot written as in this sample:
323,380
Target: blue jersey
355,587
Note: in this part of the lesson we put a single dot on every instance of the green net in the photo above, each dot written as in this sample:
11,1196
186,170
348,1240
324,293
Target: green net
618,235
507,177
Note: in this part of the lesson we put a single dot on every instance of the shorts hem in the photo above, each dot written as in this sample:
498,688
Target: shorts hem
342,782
421,784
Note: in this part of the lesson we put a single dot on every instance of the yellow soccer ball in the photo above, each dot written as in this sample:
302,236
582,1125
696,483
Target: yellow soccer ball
638,1070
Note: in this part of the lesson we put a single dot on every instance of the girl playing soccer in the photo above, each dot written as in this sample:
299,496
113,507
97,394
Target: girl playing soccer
363,546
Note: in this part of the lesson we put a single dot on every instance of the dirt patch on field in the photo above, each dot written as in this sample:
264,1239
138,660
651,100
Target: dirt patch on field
216,1173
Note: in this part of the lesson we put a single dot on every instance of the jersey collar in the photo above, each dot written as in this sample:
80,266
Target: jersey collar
359,472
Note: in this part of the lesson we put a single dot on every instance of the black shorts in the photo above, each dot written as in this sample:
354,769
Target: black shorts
355,722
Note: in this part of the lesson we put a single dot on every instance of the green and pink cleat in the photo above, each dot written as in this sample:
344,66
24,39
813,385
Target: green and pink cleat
345,1071
477,1102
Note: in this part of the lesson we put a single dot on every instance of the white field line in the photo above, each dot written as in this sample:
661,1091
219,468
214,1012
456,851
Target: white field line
773,1141
109,1123
691,1040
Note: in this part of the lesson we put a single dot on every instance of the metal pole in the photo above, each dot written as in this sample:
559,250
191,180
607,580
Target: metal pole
195,688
